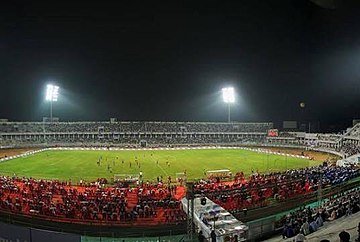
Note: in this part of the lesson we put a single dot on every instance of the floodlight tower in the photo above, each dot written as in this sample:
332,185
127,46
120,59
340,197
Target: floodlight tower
229,98
52,94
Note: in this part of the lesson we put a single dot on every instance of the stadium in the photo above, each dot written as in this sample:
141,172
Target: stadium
180,121
148,179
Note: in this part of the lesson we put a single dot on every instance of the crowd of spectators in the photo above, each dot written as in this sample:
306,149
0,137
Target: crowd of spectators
259,188
308,220
350,149
169,133
329,137
132,127
354,131
129,133
160,203
93,202
133,139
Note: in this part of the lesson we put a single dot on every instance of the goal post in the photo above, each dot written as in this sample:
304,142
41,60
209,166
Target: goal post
126,178
180,177
222,174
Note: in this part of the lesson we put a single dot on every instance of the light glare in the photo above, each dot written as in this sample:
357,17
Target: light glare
228,94
52,93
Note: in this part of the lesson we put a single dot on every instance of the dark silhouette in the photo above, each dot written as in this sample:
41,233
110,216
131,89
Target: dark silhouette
201,237
213,236
344,236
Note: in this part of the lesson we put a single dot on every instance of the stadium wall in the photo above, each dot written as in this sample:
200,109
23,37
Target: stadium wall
303,147
10,232
60,226
328,151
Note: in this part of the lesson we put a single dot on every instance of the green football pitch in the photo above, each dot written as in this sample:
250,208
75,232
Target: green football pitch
77,165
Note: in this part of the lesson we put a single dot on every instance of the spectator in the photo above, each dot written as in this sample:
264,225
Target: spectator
300,237
344,236
213,236
201,237
305,228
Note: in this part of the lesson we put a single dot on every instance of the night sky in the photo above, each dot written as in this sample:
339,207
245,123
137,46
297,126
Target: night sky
168,60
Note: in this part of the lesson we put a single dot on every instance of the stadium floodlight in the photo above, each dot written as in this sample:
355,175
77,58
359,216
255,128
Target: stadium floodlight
52,94
228,94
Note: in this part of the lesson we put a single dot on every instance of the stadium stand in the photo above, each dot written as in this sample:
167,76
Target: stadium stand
133,127
128,133
21,134
156,203
51,199
260,188
309,220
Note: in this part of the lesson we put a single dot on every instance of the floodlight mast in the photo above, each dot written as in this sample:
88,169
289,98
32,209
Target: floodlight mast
229,98
52,93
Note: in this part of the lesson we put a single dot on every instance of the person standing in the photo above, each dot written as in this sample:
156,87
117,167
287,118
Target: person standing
236,238
201,237
213,236
344,236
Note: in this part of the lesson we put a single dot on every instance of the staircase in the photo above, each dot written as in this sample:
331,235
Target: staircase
132,199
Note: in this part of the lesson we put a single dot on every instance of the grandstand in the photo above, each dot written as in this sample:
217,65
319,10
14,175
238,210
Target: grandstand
128,133
25,134
325,222
151,206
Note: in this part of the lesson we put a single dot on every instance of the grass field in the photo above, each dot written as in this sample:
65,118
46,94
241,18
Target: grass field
76,165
